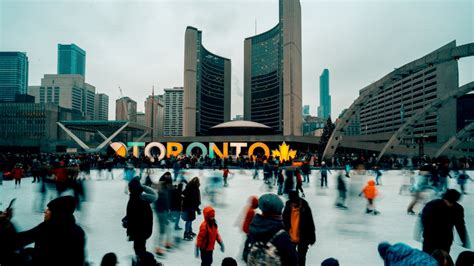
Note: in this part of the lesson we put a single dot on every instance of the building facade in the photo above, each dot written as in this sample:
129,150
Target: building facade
126,109
465,111
207,79
272,73
67,91
306,110
101,106
13,75
313,125
154,114
324,109
71,59
173,115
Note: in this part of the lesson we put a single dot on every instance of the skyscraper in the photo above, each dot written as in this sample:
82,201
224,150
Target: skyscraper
126,109
306,111
71,59
173,122
13,75
206,86
272,73
154,109
101,106
324,109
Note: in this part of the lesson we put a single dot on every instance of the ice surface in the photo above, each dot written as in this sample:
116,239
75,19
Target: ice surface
350,235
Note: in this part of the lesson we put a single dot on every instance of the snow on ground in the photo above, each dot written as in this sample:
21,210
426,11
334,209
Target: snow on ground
350,235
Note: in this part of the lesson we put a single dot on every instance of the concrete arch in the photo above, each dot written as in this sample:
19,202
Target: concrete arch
455,140
442,55
434,106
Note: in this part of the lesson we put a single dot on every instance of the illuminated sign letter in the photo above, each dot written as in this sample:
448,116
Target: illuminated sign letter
119,148
135,146
238,146
213,148
155,145
174,149
199,145
258,145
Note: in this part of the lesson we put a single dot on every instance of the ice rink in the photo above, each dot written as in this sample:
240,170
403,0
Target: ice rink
350,235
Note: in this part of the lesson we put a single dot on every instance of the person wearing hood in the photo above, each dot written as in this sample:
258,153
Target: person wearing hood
139,215
370,193
250,213
402,254
58,239
269,226
191,202
207,237
298,222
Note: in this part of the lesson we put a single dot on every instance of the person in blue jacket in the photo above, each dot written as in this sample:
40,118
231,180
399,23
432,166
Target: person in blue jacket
401,254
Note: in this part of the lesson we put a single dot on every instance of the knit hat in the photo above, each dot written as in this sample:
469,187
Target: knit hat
330,262
229,262
63,205
270,203
382,248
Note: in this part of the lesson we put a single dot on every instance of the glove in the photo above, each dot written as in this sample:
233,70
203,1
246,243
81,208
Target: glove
197,252
222,247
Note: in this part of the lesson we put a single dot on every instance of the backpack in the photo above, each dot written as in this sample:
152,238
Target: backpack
261,254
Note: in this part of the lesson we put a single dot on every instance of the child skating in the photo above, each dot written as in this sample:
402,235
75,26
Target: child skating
207,237
370,193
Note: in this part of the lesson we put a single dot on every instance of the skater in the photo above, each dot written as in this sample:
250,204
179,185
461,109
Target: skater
342,190
463,177
378,175
324,174
139,218
35,170
281,180
298,222
18,173
191,202
225,174
207,237
306,171
438,218
250,213
420,184
162,209
370,193
255,167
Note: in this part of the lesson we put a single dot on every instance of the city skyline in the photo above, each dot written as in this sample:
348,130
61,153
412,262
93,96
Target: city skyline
358,41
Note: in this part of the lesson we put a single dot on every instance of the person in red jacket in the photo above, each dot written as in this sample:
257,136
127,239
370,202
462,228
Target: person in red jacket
370,193
18,173
225,174
207,237
253,204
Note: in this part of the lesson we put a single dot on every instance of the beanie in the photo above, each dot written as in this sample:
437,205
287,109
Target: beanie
229,262
63,205
330,262
382,248
270,203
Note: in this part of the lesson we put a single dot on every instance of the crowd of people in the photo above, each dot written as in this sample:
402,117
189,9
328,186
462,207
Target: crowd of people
280,233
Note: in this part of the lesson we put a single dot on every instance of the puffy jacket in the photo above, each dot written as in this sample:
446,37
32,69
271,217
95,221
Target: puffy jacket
403,255
208,232
370,192
306,225
250,214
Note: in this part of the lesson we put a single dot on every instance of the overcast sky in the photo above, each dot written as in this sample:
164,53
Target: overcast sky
138,44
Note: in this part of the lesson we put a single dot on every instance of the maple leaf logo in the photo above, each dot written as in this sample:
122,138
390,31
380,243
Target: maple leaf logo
284,153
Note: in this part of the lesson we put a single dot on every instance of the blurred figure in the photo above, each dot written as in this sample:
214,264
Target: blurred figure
139,215
191,202
442,257
207,237
162,208
255,167
225,175
378,175
465,258
8,239
266,230
18,173
324,174
35,170
298,222
128,175
58,240
280,180
438,218
109,259
370,193
443,176
463,177
250,213
228,261
330,262
402,254
421,182
342,191
306,171
176,201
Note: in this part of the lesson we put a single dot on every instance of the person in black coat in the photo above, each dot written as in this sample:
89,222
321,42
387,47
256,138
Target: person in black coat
191,202
298,222
438,218
139,215
58,240
269,225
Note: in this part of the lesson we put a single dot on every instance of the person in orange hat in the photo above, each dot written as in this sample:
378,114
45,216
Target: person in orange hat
370,193
207,237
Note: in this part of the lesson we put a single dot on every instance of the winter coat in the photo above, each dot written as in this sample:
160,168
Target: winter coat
249,215
57,242
163,204
262,229
18,172
208,232
402,255
306,226
438,220
369,191
191,202
305,169
139,214
341,185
